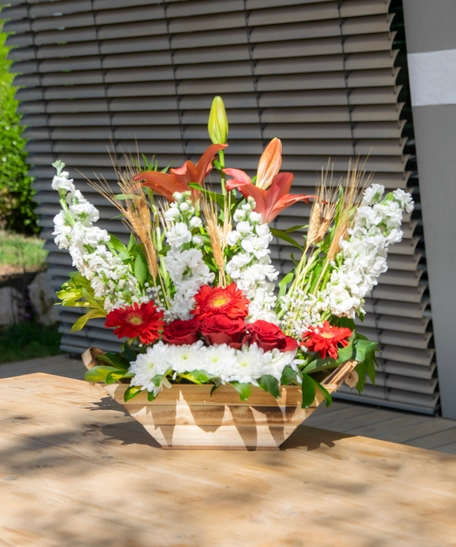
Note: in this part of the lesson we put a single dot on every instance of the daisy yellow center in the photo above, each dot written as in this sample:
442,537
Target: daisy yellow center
327,335
219,301
135,319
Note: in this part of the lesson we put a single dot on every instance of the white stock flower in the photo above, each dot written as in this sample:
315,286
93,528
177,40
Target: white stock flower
232,238
243,227
172,214
373,194
405,200
195,222
62,182
178,235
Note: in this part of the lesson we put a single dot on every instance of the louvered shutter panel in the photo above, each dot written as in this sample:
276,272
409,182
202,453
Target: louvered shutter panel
324,76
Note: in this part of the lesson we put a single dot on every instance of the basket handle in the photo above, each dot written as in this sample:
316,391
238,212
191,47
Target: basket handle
89,357
337,377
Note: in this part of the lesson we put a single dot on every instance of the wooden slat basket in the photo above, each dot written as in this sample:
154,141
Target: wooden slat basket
188,417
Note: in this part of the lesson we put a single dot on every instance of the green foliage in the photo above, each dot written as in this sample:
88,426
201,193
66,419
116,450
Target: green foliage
16,196
28,340
21,251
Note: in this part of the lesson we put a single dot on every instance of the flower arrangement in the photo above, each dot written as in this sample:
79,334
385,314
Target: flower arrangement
194,291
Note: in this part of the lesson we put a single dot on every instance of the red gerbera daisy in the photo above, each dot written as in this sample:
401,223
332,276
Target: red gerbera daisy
143,320
228,301
325,339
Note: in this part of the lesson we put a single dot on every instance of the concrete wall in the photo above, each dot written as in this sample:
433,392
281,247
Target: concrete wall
430,27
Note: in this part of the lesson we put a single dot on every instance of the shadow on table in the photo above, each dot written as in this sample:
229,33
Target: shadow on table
128,432
312,438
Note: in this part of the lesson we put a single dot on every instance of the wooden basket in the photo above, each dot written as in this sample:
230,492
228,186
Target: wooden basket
188,417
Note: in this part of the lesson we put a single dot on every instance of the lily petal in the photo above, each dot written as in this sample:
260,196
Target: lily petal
269,164
178,179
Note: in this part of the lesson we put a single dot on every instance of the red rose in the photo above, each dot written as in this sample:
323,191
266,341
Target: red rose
179,332
269,336
219,329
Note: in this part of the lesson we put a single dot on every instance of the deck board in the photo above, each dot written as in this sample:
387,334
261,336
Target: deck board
418,430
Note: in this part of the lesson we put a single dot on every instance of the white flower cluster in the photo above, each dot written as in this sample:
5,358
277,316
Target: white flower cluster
246,366
363,255
304,310
184,260
109,277
251,268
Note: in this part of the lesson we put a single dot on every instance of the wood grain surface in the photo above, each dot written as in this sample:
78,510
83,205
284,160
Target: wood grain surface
76,471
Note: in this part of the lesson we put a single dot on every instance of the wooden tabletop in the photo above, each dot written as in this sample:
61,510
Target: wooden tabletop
75,471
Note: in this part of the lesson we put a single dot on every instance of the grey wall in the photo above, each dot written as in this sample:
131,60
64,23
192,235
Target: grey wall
429,27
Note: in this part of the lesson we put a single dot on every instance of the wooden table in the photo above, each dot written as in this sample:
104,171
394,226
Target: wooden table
75,471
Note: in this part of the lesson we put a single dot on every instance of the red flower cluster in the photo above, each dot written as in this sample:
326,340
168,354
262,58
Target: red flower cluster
143,320
219,329
219,318
325,339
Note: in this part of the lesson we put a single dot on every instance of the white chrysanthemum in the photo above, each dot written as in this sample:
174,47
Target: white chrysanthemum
185,358
218,361
147,366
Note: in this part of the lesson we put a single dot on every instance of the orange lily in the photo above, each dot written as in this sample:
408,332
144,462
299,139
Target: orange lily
271,188
271,202
269,164
178,180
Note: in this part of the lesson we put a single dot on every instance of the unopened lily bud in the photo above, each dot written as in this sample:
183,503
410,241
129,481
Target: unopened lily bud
218,122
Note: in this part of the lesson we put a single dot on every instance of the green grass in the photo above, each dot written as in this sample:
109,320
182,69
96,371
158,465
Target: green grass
28,341
22,252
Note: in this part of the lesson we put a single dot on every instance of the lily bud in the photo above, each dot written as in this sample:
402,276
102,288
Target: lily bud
269,164
218,122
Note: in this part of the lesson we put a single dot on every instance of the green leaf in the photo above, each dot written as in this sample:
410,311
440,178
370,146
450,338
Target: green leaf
114,377
344,322
198,376
284,282
295,228
81,322
114,360
319,364
141,271
285,237
131,242
123,197
308,390
347,353
244,390
214,387
157,379
131,392
151,396
361,370
98,374
370,363
363,349
130,355
325,393
218,198
288,376
270,384
117,244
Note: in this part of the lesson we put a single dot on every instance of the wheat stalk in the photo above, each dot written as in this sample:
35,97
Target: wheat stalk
217,236
135,210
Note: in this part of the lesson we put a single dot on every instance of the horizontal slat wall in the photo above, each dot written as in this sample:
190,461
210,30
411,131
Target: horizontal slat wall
321,75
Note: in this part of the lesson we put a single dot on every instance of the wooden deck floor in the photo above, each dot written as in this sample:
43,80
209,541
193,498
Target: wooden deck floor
429,432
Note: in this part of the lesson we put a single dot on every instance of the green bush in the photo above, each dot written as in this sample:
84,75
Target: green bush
16,196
